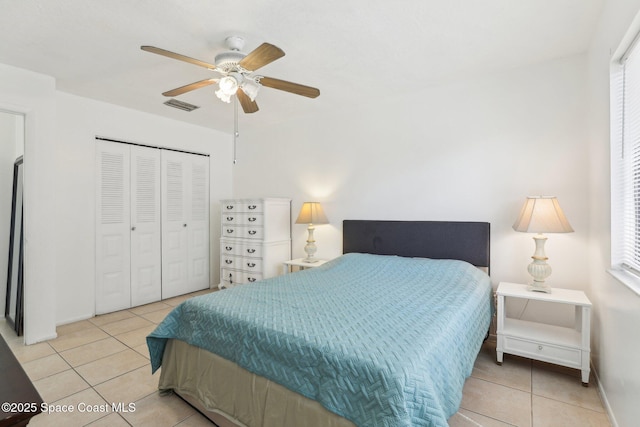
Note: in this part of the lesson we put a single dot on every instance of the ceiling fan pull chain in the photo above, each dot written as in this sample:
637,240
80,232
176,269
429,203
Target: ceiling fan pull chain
235,128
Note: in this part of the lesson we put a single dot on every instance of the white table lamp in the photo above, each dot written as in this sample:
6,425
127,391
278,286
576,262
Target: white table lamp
541,214
311,213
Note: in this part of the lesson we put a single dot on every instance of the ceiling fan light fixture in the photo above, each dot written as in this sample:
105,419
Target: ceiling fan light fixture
228,85
223,96
250,88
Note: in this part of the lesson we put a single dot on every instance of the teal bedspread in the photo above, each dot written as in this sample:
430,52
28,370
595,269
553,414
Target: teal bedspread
380,340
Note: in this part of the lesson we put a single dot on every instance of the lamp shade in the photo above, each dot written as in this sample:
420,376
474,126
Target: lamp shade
311,213
542,214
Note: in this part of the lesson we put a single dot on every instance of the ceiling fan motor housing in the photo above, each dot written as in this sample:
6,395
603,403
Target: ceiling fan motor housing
228,61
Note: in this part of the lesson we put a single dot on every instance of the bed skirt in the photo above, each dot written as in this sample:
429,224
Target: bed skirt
230,395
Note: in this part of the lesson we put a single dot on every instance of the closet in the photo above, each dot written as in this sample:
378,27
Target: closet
152,228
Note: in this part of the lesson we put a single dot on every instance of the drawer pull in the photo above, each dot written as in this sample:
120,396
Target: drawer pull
253,219
251,264
229,207
229,218
228,261
229,230
251,279
229,248
251,251
252,232
252,207
540,347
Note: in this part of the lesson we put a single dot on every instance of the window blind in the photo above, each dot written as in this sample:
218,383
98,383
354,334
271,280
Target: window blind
625,177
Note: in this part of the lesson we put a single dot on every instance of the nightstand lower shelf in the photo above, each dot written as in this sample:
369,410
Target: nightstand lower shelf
547,343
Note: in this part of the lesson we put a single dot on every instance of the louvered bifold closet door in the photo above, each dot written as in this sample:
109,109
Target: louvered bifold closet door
113,278
146,259
185,223
198,234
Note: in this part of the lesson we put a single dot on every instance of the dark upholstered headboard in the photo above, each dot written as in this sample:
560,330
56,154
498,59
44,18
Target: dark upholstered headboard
466,241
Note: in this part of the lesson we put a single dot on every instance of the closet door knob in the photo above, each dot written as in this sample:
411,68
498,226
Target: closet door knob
184,225
133,228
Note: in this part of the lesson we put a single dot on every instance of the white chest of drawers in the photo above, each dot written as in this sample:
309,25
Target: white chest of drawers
256,239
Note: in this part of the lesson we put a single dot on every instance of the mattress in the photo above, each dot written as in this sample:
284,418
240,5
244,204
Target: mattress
378,340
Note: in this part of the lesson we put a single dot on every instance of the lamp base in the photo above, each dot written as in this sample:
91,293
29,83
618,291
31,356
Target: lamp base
310,260
539,287
539,269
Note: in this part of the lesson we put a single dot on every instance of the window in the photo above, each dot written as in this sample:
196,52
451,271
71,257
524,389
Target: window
625,160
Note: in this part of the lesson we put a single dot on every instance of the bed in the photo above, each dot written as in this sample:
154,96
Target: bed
384,335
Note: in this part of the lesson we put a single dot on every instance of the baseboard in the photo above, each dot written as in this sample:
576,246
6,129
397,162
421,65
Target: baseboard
603,396
75,319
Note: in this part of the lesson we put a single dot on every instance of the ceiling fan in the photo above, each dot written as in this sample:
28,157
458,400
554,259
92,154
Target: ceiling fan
237,73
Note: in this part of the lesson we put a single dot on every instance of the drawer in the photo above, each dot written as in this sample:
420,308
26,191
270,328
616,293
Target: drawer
231,218
251,219
230,261
242,218
565,356
241,263
253,250
252,277
241,232
230,206
232,277
231,231
240,248
249,264
251,206
230,247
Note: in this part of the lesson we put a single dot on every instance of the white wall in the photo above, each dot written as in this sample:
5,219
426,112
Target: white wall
79,121
34,95
616,320
471,150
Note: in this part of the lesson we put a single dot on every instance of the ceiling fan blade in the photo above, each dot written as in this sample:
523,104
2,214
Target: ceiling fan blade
188,88
248,105
177,56
298,89
264,54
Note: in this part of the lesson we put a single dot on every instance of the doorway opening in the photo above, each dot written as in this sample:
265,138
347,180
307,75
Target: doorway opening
12,137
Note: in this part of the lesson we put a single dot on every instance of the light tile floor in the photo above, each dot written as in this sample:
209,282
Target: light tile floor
94,363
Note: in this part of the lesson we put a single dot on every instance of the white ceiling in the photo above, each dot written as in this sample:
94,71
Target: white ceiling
352,50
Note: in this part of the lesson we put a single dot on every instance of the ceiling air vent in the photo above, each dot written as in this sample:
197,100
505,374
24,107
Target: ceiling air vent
181,105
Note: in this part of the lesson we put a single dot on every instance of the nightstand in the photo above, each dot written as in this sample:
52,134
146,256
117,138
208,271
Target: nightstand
549,343
299,262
